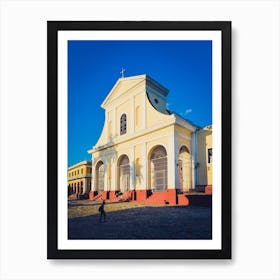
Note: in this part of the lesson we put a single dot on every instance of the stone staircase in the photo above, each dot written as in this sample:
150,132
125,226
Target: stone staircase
163,198
127,196
167,197
157,198
183,199
78,196
100,196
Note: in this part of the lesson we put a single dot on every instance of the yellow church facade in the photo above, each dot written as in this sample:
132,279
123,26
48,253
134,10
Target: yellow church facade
145,152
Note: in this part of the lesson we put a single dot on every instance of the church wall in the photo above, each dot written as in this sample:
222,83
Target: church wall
153,136
110,123
182,141
184,131
124,150
157,137
163,141
139,166
122,90
102,140
153,116
130,98
138,109
134,149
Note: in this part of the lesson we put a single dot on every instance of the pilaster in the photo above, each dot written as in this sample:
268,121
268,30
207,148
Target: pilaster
194,160
143,112
105,174
143,167
172,157
132,169
114,122
132,113
106,127
114,172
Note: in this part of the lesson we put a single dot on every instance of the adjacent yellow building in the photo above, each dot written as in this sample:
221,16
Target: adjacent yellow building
145,151
204,168
79,178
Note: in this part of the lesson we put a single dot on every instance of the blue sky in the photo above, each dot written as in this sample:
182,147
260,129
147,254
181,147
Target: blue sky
184,67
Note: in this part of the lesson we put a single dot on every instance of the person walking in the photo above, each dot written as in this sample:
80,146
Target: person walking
102,212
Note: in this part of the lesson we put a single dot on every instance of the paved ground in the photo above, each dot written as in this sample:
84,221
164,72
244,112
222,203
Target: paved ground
137,221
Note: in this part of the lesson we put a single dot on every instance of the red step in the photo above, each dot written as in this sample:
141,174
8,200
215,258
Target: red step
182,199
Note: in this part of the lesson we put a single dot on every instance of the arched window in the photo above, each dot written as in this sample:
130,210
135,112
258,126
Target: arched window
123,124
109,170
184,149
158,169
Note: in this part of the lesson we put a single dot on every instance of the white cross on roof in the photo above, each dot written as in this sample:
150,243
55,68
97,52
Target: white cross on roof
122,72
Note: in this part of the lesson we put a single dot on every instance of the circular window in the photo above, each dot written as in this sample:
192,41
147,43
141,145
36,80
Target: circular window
156,101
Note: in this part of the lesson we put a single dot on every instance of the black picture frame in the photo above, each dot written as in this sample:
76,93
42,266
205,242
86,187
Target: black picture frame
53,27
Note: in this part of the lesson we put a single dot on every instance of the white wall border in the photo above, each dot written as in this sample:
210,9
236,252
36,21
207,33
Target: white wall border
63,38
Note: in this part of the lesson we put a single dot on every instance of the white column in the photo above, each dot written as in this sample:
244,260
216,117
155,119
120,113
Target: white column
132,169
132,113
106,127
172,158
176,158
114,123
144,167
143,112
106,174
194,160
114,172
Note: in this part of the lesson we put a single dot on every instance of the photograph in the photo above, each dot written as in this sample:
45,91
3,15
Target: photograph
132,159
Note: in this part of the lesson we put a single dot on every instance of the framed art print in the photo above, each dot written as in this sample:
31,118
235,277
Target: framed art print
139,140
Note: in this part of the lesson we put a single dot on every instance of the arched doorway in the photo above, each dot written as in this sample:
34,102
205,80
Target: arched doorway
124,173
158,169
99,172
184,169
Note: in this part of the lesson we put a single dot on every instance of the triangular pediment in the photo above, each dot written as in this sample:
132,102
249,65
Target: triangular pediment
122,86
